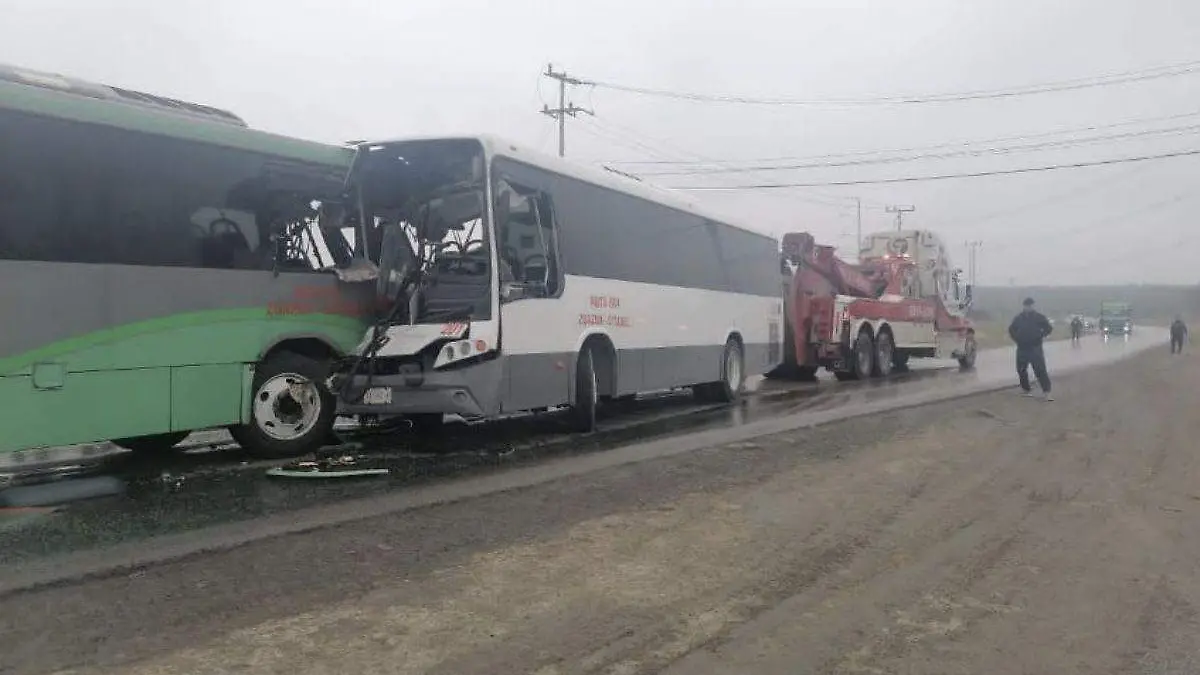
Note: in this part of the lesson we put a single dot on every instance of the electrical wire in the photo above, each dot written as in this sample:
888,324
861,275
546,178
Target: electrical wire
1111,79
946,176
968,152
924,148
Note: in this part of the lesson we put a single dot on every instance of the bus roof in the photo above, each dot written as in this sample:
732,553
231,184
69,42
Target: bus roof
611,180
52,95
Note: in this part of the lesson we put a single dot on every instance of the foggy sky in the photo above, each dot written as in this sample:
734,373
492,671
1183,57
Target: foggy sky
335,71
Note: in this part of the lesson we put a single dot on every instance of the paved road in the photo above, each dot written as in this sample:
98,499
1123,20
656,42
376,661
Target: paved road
150,499
989,534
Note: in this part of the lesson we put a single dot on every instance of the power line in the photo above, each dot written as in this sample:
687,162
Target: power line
924,148
967,152
947,176
613,132
1157,72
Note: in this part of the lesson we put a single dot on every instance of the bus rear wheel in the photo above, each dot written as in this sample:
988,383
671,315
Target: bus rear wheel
291,411
583,409
148,445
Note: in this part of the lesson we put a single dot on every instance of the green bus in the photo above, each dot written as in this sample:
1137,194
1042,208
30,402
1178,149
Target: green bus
164,268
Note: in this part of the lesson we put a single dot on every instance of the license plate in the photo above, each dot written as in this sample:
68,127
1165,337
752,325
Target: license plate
378,396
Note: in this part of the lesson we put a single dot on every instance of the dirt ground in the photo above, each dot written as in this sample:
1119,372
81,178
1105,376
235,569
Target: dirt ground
996,534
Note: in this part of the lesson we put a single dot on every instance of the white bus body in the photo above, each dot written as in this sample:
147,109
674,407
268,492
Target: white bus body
581,265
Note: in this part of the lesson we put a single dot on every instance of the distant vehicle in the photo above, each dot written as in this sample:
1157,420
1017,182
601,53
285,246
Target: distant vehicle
164,271
1116,318
517,281
902,299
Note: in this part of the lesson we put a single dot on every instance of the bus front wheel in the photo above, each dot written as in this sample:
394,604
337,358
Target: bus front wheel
291,411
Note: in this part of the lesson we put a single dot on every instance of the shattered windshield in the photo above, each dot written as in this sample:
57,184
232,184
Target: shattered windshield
424,203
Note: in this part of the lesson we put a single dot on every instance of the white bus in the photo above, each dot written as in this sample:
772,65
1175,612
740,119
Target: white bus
518,281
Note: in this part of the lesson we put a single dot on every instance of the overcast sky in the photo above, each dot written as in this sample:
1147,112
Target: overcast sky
334,71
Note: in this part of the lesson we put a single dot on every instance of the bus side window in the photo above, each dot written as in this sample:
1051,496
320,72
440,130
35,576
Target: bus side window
547,244
527,240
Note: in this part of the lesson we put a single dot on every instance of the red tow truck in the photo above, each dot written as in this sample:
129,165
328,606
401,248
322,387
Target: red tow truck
902,300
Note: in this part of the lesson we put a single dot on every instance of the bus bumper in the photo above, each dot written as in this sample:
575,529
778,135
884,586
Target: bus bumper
464,392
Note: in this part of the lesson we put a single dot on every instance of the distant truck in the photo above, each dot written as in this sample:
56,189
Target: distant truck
1116,318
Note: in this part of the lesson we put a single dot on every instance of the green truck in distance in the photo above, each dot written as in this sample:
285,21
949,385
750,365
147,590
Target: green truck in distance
1116,318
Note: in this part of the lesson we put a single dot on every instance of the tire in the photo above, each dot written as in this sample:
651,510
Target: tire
899,362
583,409
280,425
148,445
885,355
733,374
967,360
862,358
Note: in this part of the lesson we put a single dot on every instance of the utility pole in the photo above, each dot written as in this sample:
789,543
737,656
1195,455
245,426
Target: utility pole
972,254
564,109
900,211
858,222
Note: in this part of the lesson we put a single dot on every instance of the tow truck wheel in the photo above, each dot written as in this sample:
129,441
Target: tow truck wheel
863,357
583,410
291,410
885,351
967,360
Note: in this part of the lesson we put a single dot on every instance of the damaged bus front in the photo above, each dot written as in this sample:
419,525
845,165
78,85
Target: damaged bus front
423,207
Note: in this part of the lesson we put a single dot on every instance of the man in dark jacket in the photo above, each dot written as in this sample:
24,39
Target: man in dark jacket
1076,327
1027,330
1178,334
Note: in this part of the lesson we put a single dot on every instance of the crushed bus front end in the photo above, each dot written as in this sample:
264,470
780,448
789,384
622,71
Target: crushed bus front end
424,214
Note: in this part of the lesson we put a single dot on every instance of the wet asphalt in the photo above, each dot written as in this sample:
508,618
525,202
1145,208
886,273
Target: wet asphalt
124,499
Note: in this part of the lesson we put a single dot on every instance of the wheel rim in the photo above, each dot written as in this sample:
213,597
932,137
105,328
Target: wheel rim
287,406
884,357
733,370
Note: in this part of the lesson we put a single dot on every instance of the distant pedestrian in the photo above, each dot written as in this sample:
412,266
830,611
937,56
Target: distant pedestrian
1028,329
1076,327
1178,334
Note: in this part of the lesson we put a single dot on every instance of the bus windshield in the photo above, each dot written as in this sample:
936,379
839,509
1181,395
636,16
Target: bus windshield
424,206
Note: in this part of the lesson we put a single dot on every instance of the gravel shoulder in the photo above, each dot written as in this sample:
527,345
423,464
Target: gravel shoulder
991,534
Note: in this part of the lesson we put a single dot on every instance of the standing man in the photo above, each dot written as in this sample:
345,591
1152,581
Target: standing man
1027,330
1178,334
1076,327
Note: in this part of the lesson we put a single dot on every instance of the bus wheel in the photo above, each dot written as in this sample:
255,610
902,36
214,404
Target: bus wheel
583,410
733,374
152,444
291,412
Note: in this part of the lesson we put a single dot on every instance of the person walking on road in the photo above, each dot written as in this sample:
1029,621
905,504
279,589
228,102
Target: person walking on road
1076,328
1028,329
1178,334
